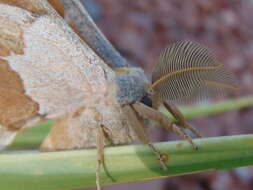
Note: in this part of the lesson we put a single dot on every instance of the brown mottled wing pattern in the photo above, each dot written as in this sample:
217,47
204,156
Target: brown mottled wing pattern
188,72
15,106
57,71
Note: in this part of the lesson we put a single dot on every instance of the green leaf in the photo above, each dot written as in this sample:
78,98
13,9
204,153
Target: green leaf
29,170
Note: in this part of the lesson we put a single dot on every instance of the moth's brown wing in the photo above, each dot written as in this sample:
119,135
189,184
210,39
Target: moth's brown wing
188,73
57,71
46,70
15,106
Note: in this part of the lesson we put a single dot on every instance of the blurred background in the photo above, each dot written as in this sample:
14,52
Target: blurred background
140,29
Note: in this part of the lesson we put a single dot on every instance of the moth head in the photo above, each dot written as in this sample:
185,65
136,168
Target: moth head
187,72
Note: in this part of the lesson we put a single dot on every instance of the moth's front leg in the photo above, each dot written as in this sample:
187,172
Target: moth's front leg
100,142
177,114
141,132
160,118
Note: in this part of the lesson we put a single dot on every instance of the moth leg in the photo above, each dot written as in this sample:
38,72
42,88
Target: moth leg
140,130
179,116
183,135
160,118
100,154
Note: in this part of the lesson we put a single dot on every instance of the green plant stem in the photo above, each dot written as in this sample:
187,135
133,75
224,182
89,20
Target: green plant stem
215,108
32,137
31,170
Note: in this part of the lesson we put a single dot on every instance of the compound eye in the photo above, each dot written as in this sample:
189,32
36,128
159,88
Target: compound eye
147,101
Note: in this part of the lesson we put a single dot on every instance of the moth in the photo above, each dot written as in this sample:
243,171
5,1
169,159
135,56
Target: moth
48,72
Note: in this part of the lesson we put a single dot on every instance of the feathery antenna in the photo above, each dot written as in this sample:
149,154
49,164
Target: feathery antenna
187,72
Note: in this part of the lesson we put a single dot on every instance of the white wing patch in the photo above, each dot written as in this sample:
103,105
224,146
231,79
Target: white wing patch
20,16
59,72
